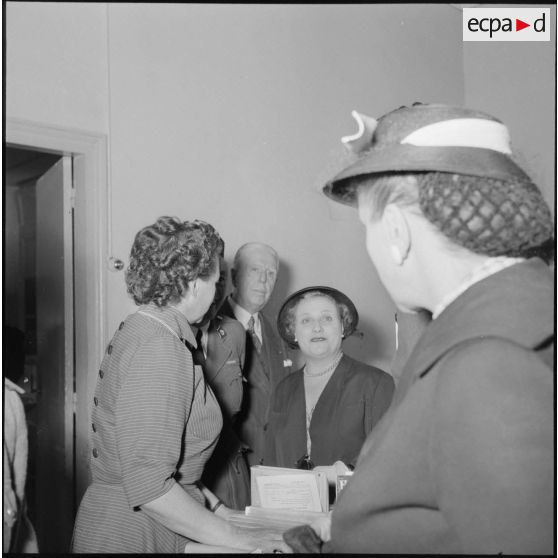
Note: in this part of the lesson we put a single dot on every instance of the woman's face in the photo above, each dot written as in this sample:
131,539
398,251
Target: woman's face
318,328
205,294
397,279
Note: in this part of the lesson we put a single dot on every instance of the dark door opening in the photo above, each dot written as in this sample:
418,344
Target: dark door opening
38,315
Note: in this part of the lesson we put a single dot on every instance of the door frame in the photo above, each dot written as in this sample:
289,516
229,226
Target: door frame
91,211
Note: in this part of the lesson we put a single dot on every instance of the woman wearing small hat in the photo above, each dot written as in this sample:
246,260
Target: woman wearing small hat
463,461
321,414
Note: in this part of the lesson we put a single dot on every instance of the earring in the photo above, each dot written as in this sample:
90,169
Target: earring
396,255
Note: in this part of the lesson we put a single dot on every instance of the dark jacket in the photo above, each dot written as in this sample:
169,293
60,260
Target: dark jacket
263,372
226,473
352,402
463,461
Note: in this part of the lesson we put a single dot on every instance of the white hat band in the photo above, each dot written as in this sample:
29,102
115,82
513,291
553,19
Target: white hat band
462,132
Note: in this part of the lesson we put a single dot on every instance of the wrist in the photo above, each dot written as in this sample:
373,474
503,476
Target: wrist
216,506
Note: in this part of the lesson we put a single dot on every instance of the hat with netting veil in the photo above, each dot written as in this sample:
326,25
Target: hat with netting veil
423,138
470,187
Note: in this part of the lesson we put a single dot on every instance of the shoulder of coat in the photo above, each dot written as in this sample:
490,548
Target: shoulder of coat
358,367
225,325
11,386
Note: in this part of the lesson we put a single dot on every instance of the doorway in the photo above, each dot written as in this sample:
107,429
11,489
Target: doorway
71,264
39,310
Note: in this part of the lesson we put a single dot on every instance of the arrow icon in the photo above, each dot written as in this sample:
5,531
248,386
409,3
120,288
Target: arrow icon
519,25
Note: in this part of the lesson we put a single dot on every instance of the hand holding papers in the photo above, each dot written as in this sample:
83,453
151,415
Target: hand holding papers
283,498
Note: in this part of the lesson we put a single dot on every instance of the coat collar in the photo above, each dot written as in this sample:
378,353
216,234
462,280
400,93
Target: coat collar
173,319
219,347
515,303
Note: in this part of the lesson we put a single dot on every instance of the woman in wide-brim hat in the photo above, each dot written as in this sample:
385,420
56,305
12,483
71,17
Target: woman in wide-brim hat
322,413
463,460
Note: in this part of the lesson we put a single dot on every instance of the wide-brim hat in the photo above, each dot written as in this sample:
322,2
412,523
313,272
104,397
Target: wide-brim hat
293,300
426,138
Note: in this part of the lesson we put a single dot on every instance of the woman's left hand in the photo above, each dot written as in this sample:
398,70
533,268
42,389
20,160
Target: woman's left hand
322,527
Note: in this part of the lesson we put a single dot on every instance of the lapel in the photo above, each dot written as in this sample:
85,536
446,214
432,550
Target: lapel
327,406
297,415
270,361
513,304
219,348
273,352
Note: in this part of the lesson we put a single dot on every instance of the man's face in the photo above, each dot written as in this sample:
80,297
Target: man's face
254,279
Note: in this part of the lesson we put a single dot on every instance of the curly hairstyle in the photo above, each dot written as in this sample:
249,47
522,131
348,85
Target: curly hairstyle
289,318
169,254
485,215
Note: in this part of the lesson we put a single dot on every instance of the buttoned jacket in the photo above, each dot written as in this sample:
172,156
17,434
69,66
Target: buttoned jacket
352,402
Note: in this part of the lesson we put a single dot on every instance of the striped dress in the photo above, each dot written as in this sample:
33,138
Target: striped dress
154,423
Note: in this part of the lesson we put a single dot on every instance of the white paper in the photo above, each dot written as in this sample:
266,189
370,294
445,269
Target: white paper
294,492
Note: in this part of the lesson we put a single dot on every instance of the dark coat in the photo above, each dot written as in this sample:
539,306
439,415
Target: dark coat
263,372
352,402
226,473
463,461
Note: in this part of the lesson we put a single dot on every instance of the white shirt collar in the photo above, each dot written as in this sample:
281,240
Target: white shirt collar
243,316
489,267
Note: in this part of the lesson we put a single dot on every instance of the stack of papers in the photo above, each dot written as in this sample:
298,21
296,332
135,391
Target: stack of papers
281,488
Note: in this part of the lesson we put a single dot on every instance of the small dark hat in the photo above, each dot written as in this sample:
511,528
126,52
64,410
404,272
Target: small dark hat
426,138
292,301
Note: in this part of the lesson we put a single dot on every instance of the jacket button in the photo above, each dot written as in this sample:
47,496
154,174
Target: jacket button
94,428
109,349
121,325
96,401
101,374
95,452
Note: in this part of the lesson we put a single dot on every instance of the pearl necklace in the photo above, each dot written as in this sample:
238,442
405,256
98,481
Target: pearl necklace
331,367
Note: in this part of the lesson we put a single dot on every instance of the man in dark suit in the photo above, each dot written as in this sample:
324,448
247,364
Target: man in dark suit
253,275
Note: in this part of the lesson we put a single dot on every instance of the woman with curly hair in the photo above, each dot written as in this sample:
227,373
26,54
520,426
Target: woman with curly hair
154,421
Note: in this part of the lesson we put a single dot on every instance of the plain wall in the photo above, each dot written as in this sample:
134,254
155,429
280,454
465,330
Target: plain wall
233,114
516,82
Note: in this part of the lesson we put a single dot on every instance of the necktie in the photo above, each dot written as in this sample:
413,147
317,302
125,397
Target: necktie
197,354
255,339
